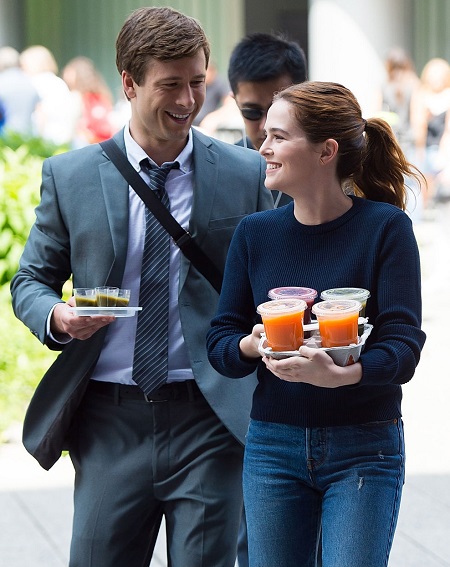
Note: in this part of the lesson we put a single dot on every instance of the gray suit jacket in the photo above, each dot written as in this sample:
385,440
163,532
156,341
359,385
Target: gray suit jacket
81,231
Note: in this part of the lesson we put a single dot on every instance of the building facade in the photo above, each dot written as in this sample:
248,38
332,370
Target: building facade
345,40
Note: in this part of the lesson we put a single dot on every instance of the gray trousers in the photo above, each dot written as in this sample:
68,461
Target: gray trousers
136,461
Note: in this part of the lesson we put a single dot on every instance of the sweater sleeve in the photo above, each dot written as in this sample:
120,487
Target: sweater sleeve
236,313
394,348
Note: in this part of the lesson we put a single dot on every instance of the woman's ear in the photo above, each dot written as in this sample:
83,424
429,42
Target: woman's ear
329,150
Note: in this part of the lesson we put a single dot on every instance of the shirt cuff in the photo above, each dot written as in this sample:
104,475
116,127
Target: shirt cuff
60,338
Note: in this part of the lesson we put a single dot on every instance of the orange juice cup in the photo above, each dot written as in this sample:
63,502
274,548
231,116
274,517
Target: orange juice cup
338,321
359,293
283,323
306,293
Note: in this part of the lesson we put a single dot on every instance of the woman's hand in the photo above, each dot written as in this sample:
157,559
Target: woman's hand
315,367
249,344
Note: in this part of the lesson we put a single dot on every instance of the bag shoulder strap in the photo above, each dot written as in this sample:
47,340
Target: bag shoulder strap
181,237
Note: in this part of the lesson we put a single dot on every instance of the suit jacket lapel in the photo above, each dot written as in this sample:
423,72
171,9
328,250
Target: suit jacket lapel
205,184
206,163
115,191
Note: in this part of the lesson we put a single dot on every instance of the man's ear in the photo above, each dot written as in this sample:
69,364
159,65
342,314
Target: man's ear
329,150
128,85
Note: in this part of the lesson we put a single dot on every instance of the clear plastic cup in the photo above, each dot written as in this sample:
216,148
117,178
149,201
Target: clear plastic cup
306,293
85,297
338,321
283,323
107,296
123,298
359,293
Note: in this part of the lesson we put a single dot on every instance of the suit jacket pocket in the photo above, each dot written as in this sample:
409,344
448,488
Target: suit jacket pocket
227,222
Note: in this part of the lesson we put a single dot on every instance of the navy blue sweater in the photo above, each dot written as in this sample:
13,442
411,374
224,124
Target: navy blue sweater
371,246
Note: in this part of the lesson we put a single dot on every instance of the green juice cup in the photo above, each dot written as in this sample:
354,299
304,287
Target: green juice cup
85,297
358,293
107,296
123,298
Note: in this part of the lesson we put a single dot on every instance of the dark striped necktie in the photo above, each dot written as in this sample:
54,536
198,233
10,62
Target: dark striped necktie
151,346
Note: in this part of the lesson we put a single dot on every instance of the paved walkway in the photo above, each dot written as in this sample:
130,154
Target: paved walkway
36,506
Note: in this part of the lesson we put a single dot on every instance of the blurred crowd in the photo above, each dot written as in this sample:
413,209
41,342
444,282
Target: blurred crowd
417,107
74,106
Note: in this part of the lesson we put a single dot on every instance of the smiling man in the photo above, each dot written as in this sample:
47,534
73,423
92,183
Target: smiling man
145,442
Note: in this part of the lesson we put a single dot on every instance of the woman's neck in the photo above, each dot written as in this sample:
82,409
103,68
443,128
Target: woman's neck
321,207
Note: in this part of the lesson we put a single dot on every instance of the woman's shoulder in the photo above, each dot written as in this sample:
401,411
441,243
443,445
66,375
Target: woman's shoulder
271,215
378,214
369,206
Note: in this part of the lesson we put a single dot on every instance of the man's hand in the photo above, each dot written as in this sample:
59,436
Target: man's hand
63,322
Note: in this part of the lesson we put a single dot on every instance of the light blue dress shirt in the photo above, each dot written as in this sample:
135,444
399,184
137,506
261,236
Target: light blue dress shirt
115,363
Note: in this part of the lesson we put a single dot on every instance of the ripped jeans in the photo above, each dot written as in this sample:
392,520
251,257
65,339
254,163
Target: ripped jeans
345,481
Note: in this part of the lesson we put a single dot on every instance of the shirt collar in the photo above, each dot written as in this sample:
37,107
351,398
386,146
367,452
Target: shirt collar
136,154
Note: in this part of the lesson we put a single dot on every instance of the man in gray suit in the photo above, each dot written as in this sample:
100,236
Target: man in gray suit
176,451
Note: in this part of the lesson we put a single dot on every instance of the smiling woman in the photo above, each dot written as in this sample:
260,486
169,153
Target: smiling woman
294,162
312,461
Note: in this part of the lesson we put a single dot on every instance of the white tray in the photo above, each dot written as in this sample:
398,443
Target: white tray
342,356
108,311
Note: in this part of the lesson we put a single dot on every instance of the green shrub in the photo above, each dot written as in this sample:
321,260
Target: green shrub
23,362
24,359
20,175
31,145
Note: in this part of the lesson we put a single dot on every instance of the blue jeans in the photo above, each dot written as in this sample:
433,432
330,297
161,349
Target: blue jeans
346,481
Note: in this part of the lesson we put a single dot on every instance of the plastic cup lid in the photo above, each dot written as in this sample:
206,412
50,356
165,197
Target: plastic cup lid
337,307
346,293
285,292
281,306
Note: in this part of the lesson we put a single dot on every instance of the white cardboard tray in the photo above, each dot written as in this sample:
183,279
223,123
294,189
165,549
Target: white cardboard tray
342,356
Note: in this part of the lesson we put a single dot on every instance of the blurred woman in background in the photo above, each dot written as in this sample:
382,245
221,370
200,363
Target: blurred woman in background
94,101
54,117
429,108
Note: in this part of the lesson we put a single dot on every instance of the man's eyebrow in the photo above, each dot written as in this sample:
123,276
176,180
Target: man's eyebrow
178,77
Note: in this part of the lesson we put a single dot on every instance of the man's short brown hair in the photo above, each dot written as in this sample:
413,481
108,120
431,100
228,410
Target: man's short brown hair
160,33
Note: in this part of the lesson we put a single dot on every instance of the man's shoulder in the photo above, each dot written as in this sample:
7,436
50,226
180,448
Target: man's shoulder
90,154
245,143
72,162
227,149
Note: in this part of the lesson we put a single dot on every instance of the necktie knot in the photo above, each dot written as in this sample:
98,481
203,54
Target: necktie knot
158,175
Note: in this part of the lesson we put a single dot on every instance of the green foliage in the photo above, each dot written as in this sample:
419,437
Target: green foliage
31,145
23,362
20,175
20,179
24,359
